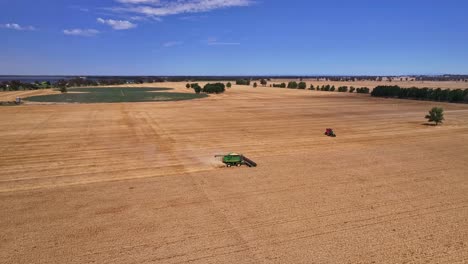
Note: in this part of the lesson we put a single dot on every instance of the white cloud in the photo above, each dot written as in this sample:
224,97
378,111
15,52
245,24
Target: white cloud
145,18
17,26
138,18
172,44
166,8
81,32
117,24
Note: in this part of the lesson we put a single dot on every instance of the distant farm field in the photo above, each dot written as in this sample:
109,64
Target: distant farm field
115,95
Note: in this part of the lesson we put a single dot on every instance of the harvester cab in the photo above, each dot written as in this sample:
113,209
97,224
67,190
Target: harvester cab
234,159
329,132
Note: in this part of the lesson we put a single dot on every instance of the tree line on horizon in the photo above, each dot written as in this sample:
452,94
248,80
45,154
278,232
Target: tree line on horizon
327,88
328,78
16,85
429,94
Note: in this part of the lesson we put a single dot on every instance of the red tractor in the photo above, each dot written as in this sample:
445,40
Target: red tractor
329,132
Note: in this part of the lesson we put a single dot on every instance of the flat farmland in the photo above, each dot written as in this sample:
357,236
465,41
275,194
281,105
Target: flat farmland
138,183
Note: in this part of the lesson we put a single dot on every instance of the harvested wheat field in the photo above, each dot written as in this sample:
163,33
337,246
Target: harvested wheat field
138,182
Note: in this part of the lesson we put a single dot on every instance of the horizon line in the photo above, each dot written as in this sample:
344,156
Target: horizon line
233,75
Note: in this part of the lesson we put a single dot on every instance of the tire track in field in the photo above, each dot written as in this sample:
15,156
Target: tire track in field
29,136
148,133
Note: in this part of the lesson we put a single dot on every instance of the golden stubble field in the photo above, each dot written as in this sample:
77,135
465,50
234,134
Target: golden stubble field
137,182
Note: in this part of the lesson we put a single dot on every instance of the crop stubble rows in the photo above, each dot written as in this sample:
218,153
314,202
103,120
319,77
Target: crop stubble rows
137,182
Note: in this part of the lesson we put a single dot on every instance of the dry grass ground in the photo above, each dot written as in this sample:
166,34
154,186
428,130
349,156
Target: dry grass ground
137,182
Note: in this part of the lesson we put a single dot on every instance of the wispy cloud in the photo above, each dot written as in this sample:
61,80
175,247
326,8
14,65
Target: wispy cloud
117,24
145,18
15,26
172,44
82,9
138,18
81,32
215,42
167,8
223,43
138,1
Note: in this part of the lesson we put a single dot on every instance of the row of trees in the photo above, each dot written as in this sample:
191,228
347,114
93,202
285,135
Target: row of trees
327,88
447,95
243,82
341,89
263,82
447,77
282,85
363,90
195,86
442,78
216,88
326,78
291,85
16,85
209,88
330,88
295,85
78,82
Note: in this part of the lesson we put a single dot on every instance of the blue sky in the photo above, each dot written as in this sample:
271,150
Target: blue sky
233,37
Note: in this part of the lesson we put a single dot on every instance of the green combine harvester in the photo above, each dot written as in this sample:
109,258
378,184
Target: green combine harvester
234,159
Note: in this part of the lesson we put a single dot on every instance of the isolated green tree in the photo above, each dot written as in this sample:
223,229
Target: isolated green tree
263,82
302,85
436,115
255,85
62,85
243,82
292,85
187,85
228,85
214,88
343,89
363,90
197,89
